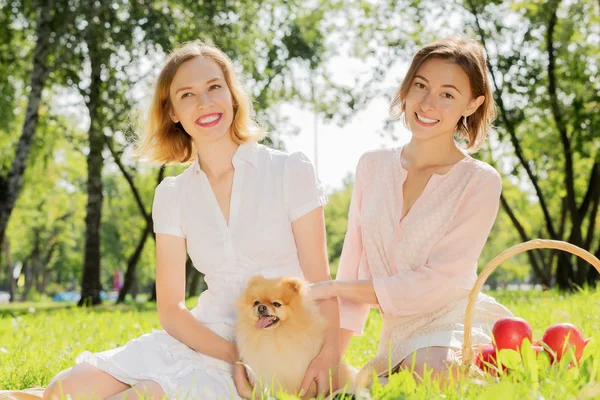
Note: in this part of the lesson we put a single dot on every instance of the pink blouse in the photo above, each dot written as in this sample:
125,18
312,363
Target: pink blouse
428,259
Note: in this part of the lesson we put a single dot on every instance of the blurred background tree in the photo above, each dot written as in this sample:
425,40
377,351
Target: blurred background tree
75,207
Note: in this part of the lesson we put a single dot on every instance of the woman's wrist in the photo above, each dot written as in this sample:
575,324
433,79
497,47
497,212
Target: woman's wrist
232,353
332,346
333,288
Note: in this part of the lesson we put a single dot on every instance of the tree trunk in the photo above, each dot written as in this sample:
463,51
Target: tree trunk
565,274
26,272
33,265
196,277
45,267
90,284
594,275
191,279
538,271
11,186
45,280
130,275
9,270
153,294
135,285
131,265
575,237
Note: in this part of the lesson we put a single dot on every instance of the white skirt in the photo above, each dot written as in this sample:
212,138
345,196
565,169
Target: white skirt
402,336
181,372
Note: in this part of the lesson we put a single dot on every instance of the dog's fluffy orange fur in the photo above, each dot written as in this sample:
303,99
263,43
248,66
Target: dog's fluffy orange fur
279,332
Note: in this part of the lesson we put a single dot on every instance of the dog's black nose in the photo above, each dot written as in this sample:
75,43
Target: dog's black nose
262,309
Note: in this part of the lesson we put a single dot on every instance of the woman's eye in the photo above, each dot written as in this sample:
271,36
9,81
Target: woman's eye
420,85
215,86
448,96
276,304
256,303
186,95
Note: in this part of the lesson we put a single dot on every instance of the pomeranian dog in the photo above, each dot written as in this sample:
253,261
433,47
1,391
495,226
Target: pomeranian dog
279,332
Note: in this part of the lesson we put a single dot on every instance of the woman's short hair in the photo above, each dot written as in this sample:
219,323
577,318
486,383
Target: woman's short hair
469,55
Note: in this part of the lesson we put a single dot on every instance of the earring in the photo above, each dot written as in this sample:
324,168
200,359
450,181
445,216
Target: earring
465,123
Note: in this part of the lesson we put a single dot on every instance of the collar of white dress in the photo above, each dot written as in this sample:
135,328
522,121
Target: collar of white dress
246,152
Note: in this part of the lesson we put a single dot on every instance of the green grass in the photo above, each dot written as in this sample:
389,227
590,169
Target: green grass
36,344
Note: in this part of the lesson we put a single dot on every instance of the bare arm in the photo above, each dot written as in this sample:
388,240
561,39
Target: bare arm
360,291
309,233
174,316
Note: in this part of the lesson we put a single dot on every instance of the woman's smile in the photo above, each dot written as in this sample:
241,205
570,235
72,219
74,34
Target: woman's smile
209,120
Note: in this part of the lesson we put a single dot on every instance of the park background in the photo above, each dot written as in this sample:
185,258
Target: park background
76,76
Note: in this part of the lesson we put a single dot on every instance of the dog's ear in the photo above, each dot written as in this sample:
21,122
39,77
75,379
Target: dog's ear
255,279
296,284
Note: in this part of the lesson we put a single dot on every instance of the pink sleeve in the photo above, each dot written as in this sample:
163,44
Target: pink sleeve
451,267
353,315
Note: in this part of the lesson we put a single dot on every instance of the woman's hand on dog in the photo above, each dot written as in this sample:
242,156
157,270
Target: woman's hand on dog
240,379
321,290
318,372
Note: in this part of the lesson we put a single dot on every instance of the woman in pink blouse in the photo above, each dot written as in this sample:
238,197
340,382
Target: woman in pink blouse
420,216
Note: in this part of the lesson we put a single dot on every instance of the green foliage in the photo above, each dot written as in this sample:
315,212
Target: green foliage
336,223
280,48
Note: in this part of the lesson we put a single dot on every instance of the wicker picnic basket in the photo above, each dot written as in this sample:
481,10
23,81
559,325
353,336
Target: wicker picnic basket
469,351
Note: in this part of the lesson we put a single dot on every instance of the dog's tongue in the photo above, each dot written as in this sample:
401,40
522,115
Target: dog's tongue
263,322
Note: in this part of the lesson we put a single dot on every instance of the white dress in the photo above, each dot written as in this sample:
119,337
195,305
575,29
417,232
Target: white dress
270,190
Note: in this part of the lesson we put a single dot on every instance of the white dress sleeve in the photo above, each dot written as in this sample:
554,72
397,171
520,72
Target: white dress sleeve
166,214
302,190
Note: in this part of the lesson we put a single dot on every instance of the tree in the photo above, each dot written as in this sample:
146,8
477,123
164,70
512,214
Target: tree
543,90
542,61
50,20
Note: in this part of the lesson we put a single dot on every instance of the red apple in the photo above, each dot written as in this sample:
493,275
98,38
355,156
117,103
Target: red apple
487,355
509,333
556,338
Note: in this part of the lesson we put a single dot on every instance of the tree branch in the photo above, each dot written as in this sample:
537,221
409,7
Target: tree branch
569,179
592,190
532,260
128,177
589,238
510,128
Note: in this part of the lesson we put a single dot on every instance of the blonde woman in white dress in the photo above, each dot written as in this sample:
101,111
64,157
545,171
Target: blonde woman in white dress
240,209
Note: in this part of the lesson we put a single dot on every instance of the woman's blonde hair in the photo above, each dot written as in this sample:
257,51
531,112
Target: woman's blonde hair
165,142
469,55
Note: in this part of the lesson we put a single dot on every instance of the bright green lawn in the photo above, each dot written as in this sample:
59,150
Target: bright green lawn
35,345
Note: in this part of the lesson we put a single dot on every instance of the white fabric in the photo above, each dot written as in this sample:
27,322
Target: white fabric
270,190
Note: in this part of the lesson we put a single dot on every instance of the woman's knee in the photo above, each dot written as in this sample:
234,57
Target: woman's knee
143,390
55,389
83,380
432,360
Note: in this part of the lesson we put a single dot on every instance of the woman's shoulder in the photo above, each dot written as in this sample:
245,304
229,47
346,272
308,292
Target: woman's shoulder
482,174
483,170
378,156
173,184
280,157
